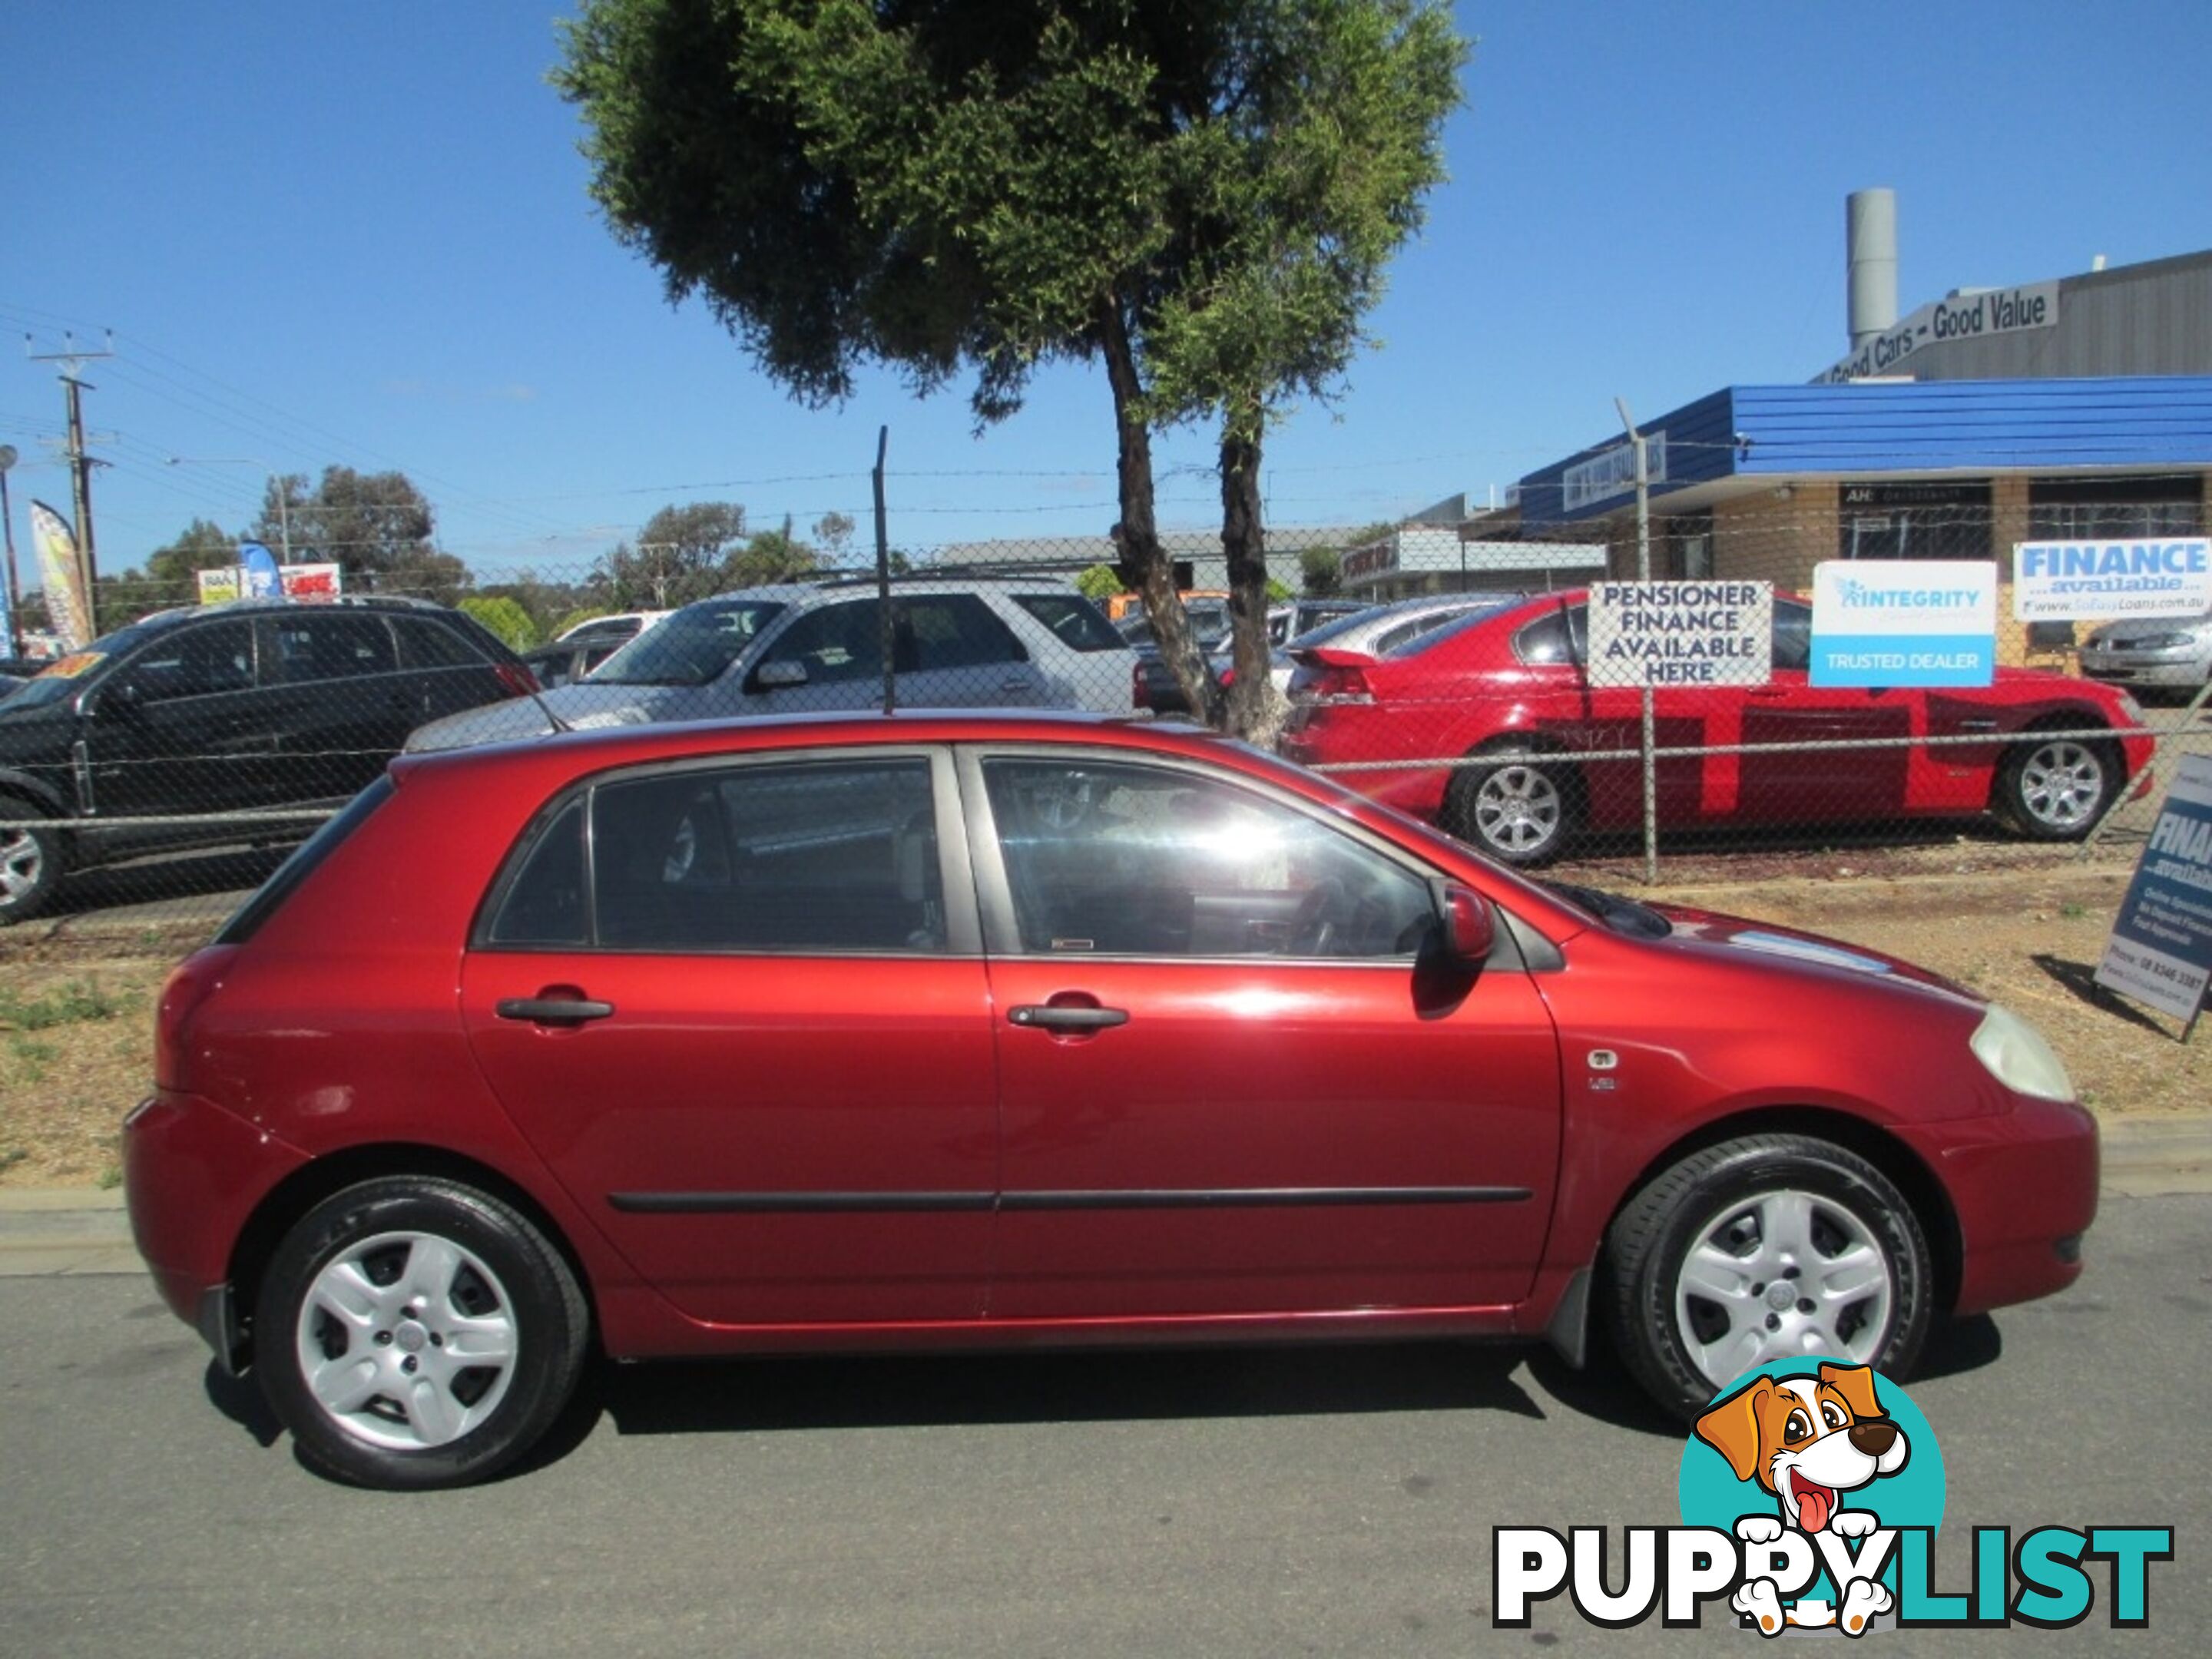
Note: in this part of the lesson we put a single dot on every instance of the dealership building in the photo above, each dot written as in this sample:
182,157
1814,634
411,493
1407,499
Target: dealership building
2080,408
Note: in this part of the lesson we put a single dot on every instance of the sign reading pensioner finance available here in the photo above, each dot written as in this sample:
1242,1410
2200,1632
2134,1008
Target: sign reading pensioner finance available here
2161,951
1661,633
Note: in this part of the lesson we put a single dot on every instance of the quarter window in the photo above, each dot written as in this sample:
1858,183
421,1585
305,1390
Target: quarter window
809,857
1114,860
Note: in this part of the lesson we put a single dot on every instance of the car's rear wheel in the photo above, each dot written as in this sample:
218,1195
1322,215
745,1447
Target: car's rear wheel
1769,1247
1518,808
2055,788
416,1333
30,863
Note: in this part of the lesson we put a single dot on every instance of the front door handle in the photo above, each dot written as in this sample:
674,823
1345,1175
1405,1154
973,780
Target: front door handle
552,1010
1048,1017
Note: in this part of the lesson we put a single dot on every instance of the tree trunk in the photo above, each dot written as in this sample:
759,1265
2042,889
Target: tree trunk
1256,711
1142,557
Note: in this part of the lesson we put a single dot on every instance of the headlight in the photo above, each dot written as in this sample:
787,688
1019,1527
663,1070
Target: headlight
2017,1055
2164,642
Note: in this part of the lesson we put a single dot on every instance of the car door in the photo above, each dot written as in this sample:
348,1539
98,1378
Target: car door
949,651
1228,1085
739,1010
339,703
1814,776
181,727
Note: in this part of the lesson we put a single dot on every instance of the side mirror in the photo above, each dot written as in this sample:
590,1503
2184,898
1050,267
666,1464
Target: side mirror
1464,928
783,672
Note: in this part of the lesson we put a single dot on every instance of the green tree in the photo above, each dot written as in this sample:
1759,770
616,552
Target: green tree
174,568
377,527
1321,570
772,556
505,618
677,557
1100,583
833,534
1200,196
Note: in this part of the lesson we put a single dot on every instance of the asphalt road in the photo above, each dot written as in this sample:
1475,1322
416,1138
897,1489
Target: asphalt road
1275,1503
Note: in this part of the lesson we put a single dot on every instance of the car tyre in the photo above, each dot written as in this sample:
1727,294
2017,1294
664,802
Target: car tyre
2055,788
374,1307
1765,1248
1519,810
30,864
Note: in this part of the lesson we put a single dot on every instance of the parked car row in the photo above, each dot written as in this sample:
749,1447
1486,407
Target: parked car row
1553,754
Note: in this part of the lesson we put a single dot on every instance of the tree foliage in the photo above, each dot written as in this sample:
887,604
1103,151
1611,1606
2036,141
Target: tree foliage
378,526
505,618
679,556
1100,583
1200,196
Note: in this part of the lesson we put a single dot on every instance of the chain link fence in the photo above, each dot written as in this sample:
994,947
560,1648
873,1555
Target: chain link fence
149,780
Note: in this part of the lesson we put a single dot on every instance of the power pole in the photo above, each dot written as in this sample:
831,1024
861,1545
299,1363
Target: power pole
73,359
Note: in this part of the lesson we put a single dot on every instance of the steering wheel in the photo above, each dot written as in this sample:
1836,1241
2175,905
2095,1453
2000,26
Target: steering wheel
1314,926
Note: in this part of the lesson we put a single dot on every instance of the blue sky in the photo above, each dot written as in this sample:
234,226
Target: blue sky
359,234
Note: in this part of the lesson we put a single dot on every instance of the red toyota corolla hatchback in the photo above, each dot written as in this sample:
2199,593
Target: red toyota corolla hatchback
863,1032
1510,685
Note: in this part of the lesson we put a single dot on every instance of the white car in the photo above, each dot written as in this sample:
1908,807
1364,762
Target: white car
796,648
2170,652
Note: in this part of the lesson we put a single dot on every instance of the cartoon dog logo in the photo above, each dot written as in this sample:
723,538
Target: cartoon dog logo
1808,1440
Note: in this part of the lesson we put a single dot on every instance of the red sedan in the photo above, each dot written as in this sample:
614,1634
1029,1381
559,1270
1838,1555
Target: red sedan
1510,684
852,1032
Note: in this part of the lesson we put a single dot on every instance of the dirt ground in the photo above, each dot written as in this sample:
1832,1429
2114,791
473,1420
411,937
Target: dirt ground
2024,926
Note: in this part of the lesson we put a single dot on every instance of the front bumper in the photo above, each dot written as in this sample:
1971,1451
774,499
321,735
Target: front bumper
2176,668
2023,1188
193,1174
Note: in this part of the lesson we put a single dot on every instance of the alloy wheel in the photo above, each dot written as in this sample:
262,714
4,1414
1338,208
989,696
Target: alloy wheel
1780,1274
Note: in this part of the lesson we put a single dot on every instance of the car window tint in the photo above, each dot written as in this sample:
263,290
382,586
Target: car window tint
836,642
427,644
325,648
194,662
805,857
1557,636
544,905
694,645
1073,620
1115,860
950,630
1793,635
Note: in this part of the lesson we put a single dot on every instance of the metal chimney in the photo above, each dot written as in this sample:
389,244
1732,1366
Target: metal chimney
1870,244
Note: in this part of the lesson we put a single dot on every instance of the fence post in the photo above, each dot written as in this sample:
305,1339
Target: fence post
1643,574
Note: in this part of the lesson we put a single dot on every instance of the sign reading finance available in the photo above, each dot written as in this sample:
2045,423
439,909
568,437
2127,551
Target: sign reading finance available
1904,621
2077,581
2161,951
1660,634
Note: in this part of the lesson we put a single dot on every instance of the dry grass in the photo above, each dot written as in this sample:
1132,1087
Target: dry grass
76,1051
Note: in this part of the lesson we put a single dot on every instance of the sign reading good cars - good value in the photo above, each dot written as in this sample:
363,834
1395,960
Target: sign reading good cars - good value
1904,622
2160,951
1681,633
2074,581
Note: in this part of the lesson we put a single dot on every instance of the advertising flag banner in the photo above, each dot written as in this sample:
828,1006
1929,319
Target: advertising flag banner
1904,621
261,580
61,577
2085,582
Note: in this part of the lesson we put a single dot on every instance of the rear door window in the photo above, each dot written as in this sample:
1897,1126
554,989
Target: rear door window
300,649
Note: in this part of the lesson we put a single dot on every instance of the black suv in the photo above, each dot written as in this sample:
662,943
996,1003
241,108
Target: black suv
228,709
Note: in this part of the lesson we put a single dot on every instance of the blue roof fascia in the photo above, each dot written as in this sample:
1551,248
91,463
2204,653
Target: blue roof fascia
1871,428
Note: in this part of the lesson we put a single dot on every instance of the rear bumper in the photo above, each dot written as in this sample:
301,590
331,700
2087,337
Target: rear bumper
193,1173
2023,1187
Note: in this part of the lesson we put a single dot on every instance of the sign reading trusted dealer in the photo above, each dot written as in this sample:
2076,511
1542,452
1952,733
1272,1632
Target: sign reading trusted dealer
2161,951
2077,581
1904,621
1704,633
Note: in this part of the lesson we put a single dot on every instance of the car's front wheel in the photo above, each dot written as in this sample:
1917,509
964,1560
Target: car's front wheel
1770,1247
416,1333
30,862
1516,809
2055,788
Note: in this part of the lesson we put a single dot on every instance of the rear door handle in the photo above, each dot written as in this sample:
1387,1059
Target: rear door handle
1046,1016
552,1010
